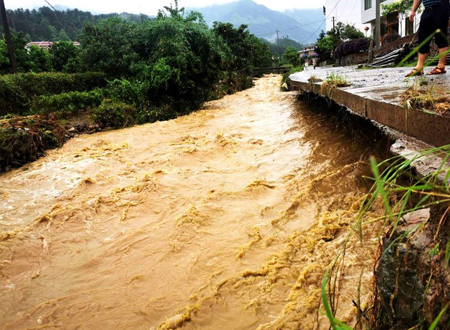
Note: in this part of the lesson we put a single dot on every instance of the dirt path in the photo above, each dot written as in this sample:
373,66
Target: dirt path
223,219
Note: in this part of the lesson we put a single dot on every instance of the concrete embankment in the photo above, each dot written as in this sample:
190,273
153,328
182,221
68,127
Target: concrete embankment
375,94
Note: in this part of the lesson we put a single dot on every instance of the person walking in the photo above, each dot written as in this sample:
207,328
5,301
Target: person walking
434,17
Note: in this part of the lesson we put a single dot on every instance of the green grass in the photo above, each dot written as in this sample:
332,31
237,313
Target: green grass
335,80
447,254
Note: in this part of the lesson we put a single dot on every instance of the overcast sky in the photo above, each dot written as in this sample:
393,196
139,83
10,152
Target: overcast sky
150,7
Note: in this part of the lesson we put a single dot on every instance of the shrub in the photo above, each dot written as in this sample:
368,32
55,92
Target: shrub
64,104
129,92
17,91
352,46
285,78
114,114
291,56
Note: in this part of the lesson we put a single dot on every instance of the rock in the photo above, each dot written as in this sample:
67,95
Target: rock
71,130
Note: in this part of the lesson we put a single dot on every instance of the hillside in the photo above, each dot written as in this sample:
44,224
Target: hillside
302,25
279,48
46,24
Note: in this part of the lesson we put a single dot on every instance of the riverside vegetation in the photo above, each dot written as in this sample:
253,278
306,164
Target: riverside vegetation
124,73
413,259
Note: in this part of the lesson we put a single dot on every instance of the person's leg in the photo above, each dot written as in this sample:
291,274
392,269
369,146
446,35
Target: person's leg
421,58
442,16
443,58
426,28
418,70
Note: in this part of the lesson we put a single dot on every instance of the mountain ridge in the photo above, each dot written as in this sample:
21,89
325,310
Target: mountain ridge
302,25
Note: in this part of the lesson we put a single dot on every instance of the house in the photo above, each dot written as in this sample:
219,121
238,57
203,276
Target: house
394,23
44,44
307,50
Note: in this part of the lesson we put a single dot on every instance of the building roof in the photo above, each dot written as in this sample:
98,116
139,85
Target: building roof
45,44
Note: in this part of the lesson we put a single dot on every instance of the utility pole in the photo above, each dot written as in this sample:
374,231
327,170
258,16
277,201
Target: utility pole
12,57
377,24
279,52
333,21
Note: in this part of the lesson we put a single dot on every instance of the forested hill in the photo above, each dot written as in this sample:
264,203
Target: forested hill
302,25
46,24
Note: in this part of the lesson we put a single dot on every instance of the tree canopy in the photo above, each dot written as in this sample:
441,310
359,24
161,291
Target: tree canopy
327,43
291,56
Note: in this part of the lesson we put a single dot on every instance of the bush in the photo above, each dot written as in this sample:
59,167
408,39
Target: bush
17,91
352,47
284,79
291,56
114,114
129,92
65,104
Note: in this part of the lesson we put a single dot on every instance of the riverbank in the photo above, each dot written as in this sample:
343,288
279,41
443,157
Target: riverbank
26,138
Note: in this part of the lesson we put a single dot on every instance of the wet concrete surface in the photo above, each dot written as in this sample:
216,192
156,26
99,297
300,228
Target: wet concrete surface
375,94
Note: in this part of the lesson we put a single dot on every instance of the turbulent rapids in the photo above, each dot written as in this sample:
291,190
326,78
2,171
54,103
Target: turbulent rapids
223,219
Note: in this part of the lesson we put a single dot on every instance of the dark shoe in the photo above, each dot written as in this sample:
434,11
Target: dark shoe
415,72
437,70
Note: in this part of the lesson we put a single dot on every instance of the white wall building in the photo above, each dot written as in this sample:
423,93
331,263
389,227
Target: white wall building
390,24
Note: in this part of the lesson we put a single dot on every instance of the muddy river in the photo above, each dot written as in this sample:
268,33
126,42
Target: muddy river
223,219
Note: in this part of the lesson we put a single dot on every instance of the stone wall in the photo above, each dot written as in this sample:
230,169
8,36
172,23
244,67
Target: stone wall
361,58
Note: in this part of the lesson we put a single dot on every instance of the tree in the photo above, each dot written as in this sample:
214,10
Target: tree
399,6
63,36
63,52
110,46
291,56
173,12
179,60
22,56
326,44
349,32
261,56
247,51
40,60
5,66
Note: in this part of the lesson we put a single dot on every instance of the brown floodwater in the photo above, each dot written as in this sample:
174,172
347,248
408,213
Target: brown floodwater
223,219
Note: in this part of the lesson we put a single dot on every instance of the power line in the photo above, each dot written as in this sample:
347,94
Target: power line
57,14
324,21
354,6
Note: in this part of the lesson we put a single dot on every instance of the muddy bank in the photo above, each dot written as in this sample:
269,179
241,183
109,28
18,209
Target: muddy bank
413,273
225,218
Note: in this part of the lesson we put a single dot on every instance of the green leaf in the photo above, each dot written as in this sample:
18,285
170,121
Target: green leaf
438,318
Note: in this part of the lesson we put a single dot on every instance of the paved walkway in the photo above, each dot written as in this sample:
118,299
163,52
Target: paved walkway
376,93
